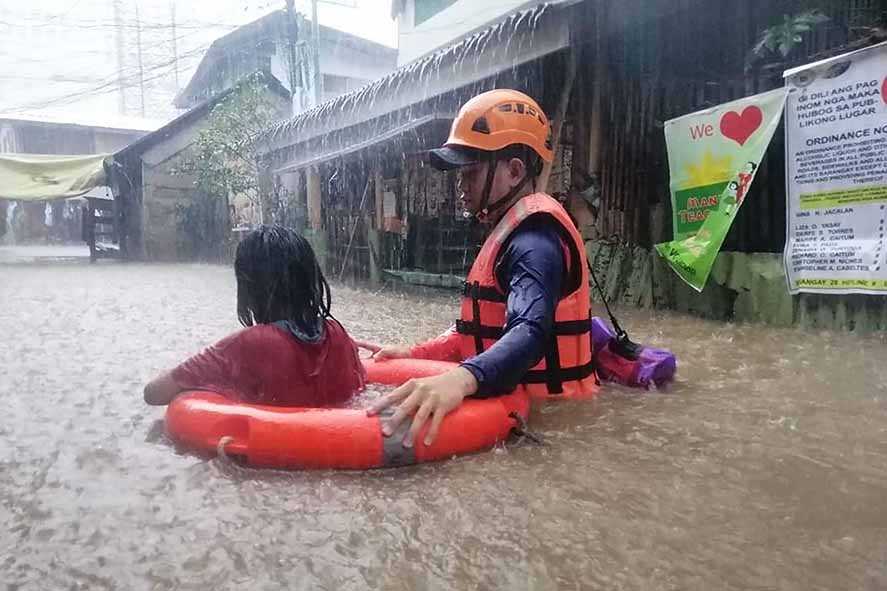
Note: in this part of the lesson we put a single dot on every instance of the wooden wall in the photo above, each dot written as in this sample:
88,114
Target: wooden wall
640,63
686,55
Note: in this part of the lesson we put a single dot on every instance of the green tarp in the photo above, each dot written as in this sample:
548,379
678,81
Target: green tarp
38,177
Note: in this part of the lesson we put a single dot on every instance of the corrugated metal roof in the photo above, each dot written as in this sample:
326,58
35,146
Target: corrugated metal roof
316,158
112,122
165,131
517,38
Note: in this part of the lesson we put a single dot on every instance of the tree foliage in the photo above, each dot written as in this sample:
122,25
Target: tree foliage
855,26
782,38
223,162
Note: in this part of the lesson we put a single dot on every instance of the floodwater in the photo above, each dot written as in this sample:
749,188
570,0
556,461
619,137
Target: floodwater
763,467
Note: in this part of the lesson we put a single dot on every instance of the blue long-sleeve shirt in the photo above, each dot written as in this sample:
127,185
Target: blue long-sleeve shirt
530,270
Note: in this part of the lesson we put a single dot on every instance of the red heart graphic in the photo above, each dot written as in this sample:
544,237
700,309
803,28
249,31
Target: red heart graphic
884,91
740,127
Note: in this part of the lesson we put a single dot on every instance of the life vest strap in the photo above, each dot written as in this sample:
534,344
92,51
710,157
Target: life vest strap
553,382
485,331
478,330
476,325
572,327
484,293
565,374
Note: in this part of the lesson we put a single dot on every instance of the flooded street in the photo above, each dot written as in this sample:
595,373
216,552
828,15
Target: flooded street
763,467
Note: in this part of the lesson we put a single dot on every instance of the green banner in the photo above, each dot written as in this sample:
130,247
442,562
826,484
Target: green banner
713,156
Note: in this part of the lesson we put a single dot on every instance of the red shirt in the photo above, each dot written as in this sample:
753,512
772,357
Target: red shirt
266,364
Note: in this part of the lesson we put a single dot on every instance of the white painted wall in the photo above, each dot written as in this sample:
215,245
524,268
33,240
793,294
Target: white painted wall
352,63
453,22
358,67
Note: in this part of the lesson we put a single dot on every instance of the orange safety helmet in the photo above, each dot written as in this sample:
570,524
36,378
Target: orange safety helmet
492,121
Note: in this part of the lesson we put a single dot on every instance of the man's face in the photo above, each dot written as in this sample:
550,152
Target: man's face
471,181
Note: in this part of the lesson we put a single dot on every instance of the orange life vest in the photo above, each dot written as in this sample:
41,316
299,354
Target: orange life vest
566,370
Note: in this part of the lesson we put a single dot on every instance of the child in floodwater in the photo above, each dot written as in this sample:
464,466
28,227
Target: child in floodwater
292,351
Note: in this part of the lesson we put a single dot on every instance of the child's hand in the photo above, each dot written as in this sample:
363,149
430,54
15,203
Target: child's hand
371,347
391,352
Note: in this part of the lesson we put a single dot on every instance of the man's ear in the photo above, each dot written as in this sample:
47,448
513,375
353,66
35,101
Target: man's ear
517,170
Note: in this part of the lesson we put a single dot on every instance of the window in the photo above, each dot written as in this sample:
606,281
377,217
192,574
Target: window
425,9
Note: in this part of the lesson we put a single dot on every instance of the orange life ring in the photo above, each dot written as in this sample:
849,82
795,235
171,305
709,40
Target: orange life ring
299,438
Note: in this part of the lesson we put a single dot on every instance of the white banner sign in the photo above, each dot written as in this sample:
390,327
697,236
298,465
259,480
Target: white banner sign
836,174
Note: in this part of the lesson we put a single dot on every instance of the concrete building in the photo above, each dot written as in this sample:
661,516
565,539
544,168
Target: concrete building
62,135
426,25
347,62
153,193
39,133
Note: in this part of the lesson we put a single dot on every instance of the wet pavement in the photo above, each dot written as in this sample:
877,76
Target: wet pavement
37,253
763,467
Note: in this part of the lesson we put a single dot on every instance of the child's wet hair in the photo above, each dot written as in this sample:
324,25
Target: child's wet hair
278,278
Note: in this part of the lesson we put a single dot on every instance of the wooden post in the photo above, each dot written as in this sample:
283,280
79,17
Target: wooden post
596,132
296,204
315,216
363,198
379,195
315,220
140,208
557,123
374,234
87,228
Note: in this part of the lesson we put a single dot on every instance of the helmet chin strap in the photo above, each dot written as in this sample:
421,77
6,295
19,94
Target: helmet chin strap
486,208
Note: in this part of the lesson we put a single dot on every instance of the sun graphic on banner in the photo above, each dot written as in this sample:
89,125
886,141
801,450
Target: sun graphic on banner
710,170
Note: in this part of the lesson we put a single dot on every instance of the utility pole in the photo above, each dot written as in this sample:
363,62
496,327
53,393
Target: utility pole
318,79
118,33
175,48
292,29
141,69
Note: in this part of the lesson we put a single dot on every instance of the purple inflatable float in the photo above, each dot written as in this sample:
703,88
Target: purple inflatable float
649,366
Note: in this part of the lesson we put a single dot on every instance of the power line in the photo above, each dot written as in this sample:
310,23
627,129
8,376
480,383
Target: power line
70,8
90,24
123,79
122,71
118,39
105,87
175,48
19,57
111,83
54,78
141,68
66,12
154,45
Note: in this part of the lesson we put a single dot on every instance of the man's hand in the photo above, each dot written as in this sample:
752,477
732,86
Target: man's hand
432,398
